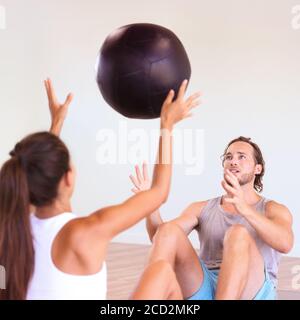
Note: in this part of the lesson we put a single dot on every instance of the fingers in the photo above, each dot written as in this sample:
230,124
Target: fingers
138,174
54,104
145,171
228,188
194,104
193,97
229,200
46,84
180,109
139,179
68,99
134,181
232,178
169,97
188,115
191,103
50,92
51,89
182,89
135,190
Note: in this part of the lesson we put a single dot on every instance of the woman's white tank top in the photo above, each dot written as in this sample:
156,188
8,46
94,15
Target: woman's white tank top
48,282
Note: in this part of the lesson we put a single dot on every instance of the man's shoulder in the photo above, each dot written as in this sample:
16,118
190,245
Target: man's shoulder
272,204
201,204
274,208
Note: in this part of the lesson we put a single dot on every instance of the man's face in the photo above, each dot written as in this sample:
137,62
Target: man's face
239,159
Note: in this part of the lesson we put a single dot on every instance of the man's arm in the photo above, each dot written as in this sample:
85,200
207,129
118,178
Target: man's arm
275,228
142,182
187,221
153,221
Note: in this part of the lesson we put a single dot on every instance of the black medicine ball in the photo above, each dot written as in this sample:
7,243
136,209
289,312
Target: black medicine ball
137,66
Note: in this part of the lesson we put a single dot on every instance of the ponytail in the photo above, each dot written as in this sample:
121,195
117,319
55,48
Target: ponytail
30,177
16,245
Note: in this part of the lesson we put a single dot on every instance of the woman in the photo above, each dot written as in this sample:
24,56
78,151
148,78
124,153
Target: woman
53,254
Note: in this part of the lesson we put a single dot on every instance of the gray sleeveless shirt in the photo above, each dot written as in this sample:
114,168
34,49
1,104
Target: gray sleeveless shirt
213,224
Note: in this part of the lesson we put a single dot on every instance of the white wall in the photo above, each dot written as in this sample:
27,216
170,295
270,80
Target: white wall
245,60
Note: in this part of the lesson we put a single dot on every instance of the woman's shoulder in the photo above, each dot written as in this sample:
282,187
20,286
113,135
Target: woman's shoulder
78,247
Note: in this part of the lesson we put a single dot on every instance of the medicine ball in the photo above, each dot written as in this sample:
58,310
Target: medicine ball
137,66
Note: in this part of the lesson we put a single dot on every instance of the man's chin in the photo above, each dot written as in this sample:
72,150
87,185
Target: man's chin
244,182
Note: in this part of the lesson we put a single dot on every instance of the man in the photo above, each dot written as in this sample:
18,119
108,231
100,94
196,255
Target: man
241,233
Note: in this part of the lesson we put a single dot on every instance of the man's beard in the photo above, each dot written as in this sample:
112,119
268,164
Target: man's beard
246,178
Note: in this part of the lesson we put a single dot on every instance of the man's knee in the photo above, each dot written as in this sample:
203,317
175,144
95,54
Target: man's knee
168,230
237,236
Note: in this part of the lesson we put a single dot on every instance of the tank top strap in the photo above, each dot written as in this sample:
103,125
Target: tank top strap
208,208
261,205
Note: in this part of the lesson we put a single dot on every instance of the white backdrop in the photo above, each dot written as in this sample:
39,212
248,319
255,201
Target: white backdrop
245,60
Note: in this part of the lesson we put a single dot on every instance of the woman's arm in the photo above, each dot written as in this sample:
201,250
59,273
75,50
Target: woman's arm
58,110
84,240
112,220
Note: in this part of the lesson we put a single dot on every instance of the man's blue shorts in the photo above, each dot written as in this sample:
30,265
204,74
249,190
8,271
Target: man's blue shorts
208,288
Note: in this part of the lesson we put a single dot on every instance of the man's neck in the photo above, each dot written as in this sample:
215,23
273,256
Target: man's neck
250,195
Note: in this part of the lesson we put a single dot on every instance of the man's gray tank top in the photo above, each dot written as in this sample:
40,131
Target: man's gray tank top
213,224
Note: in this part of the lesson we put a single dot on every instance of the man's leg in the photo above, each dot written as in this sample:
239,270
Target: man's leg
171,244
242,269
158,282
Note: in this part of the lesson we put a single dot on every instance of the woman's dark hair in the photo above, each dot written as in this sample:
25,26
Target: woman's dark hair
258,157
30,177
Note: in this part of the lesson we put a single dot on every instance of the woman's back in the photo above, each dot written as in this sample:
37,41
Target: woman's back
48,282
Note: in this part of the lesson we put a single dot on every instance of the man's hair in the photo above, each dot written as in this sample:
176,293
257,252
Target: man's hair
258,157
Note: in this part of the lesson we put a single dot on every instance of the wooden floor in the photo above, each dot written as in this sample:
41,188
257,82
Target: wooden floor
125,264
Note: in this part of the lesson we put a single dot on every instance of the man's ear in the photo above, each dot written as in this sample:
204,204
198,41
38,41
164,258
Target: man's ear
258,169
